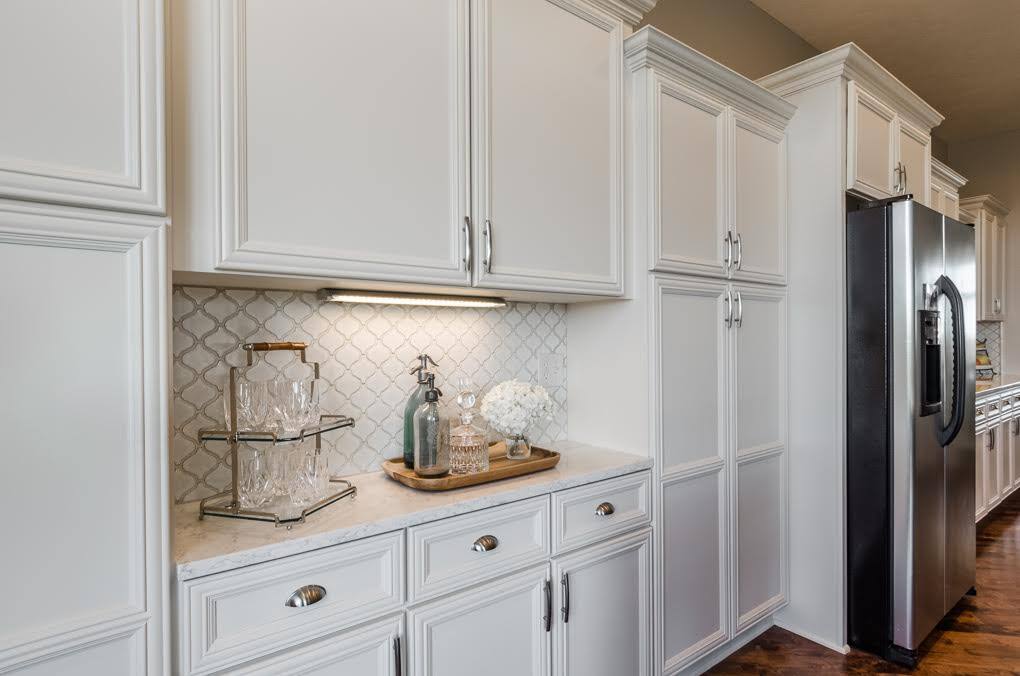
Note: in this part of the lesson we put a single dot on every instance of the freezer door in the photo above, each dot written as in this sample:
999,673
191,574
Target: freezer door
960,529
918,467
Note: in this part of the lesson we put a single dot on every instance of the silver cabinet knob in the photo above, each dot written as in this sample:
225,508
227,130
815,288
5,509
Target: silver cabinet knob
306,596
486,543
605,509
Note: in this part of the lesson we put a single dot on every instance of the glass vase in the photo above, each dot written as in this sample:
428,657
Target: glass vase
518,447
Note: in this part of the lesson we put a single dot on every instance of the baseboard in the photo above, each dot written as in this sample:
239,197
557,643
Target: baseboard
703,664
842,649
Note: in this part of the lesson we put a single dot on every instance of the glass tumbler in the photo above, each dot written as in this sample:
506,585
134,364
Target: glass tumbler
296,403
255,483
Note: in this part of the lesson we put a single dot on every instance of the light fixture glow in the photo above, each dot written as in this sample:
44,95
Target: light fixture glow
395,298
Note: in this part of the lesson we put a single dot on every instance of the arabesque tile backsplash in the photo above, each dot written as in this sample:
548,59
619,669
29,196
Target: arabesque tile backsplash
365,353
991,333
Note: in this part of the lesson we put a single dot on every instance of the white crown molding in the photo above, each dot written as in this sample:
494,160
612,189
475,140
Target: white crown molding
853,63
942,172
629,11
651,48
988,203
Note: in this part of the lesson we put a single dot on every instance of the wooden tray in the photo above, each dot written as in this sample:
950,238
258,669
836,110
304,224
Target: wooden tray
499,468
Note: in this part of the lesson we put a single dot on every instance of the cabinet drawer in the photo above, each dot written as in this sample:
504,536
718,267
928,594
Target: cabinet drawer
454,552
239,615
589,513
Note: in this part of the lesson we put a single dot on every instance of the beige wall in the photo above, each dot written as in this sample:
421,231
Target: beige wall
992,165
733,32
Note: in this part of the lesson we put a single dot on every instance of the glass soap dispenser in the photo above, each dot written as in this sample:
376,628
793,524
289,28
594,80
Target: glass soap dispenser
416,400
431,435
469,452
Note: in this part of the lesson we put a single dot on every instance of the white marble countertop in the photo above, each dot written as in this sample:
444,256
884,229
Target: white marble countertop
217,544
987,389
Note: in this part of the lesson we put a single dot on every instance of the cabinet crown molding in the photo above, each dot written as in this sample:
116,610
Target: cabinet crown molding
651,48
629,11
942,172
988,203
853,63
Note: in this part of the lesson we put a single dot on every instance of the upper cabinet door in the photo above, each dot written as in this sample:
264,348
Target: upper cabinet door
548,146
687,182
871,144
759,201
914,161
82,115
950,204
340,158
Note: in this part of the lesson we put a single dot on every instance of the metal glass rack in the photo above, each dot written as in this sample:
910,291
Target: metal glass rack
228,503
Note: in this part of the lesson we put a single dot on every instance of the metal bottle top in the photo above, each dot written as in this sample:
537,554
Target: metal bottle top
433,393
422,369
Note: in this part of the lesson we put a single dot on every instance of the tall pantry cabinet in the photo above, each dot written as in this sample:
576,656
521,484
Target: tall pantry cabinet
694,365
84,304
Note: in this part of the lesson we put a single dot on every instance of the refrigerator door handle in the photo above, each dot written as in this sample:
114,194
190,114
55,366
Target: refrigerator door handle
945,286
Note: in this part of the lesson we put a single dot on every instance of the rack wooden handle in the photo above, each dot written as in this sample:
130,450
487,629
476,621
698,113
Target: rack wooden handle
274,347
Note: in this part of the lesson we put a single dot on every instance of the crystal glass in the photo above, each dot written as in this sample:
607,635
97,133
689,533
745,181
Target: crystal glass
469,451
255,484
253,407
309,478
296,403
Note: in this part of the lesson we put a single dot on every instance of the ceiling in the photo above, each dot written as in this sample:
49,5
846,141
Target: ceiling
961,56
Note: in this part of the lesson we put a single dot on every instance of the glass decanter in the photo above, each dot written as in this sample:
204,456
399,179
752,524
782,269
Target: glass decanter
469,451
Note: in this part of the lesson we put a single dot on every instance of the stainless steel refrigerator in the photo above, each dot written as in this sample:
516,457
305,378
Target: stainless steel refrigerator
911,287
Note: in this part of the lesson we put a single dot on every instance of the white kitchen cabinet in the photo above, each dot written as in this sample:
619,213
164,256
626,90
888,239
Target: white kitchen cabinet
292,159
887,154
547,129
980,460
945,189
992,446
989,217
497,629
603,599
712,175
1011,445
85,570
759,540
82,121
372,650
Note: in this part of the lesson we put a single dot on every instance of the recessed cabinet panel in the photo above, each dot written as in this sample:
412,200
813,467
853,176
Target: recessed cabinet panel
495,630
343,159
759,369
759,201
915,158
950,205
871,144
607,592
691,347
692,534
548,146
82,115
760,537
690,227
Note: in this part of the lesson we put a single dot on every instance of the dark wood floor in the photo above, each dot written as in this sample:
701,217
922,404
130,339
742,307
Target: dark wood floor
981,635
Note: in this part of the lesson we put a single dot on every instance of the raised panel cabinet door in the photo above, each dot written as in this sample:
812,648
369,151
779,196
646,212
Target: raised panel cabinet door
991,267
688,181
85,577
498,629
1000,288
759,201
936,199
760,537
993,465
1002,461
759,369
339,158
373,650
870,145
602,608
82,118
950,204
981,459
915,161
691,337
547,93
693,539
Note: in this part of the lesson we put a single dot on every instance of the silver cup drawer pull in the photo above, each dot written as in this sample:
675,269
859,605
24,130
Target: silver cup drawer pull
605,509
306,596
486,543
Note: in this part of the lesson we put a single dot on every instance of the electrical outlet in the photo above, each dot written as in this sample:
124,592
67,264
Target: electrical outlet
552,371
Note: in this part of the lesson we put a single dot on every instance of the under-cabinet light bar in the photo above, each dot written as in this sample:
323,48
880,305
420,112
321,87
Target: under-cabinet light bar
391,298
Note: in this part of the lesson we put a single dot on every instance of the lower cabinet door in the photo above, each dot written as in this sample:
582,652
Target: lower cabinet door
602,615
980,460
498,629
1014,452
372,650
993,465
760,537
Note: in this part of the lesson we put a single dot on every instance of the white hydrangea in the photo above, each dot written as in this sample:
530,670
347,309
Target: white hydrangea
511,407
